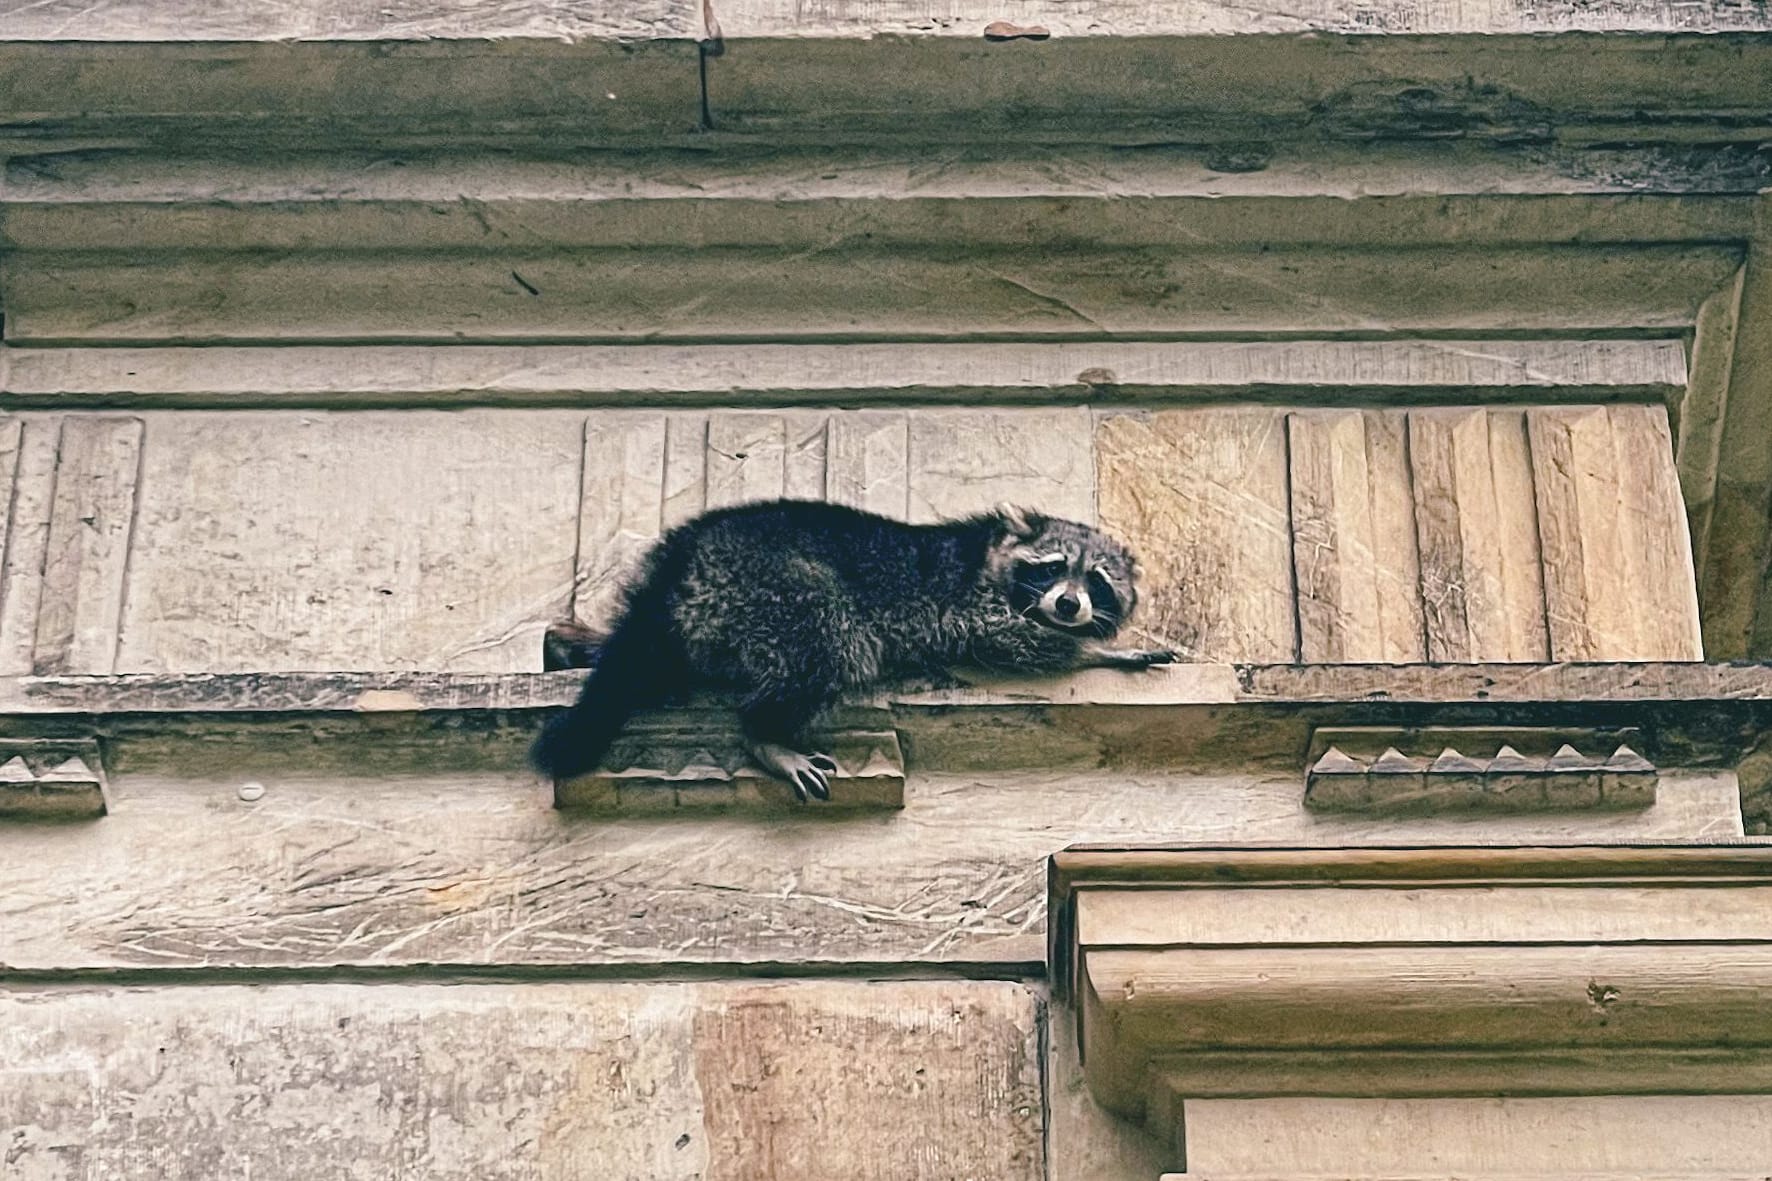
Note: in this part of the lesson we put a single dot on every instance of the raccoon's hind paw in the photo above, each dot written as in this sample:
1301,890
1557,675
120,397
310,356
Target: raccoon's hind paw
807,774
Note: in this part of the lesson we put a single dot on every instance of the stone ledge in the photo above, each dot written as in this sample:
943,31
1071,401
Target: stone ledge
1191,715
1138,374
1596,683
188,21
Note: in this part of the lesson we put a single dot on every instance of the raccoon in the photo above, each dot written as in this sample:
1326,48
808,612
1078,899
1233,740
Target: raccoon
793,603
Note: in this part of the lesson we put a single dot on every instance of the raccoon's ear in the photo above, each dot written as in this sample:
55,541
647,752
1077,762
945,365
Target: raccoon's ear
1020,521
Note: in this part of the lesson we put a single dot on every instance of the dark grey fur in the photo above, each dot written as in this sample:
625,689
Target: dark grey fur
792,603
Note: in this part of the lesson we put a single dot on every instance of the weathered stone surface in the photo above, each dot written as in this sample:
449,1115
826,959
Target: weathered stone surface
1400,548
872,290
476,867
381,540
1677,691
1482,578
869,465
664,375
1499,683
621,508
1610,1136
1222,88
1200,495
399,20
182,20
30,501
547,77
1736,579
1612,912
966,461
1461,193
1084,1141
1618,573
1356,565
1130,18
747,458
1698,425
86,558
531,1082
187,93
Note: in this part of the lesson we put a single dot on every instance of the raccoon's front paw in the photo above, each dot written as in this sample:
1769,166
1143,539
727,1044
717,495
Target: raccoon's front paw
1133,657
807,774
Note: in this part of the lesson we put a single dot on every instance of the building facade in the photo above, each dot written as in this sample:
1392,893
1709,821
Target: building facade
1423,351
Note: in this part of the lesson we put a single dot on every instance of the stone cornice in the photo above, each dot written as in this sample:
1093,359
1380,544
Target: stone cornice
539,77
1415,972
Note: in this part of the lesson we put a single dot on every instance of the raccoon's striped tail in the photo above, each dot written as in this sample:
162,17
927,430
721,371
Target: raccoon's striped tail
631,673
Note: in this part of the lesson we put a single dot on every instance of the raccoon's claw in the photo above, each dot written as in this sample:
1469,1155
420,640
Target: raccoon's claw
814,776
807,774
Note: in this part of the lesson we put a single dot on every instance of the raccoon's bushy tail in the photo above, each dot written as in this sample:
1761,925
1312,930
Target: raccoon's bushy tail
633,671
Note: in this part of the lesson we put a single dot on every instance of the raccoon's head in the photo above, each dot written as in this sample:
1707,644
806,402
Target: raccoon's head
1064,574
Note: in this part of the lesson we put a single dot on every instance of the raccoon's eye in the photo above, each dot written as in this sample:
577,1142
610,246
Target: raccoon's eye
1101,593
1045,568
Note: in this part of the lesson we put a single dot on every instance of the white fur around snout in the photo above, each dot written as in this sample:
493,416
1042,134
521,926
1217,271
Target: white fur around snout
1049,605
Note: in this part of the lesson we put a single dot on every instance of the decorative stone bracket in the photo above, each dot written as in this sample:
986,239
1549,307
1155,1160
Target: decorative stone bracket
51,780
1212,973
1373,769
707,767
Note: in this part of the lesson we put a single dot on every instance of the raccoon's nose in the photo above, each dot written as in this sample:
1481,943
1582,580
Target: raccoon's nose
1067,606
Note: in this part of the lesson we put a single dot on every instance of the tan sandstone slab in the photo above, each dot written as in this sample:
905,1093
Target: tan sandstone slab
1201,496
529,1082
964,461
1674,1136
374,540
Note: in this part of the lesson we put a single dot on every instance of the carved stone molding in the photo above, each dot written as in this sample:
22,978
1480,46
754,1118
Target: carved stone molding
659,770
1377,769
1364,973
51,780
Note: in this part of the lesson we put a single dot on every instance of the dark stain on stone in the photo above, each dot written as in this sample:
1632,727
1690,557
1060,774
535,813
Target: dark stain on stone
1243,157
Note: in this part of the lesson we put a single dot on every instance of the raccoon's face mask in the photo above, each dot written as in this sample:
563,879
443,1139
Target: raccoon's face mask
1067,576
